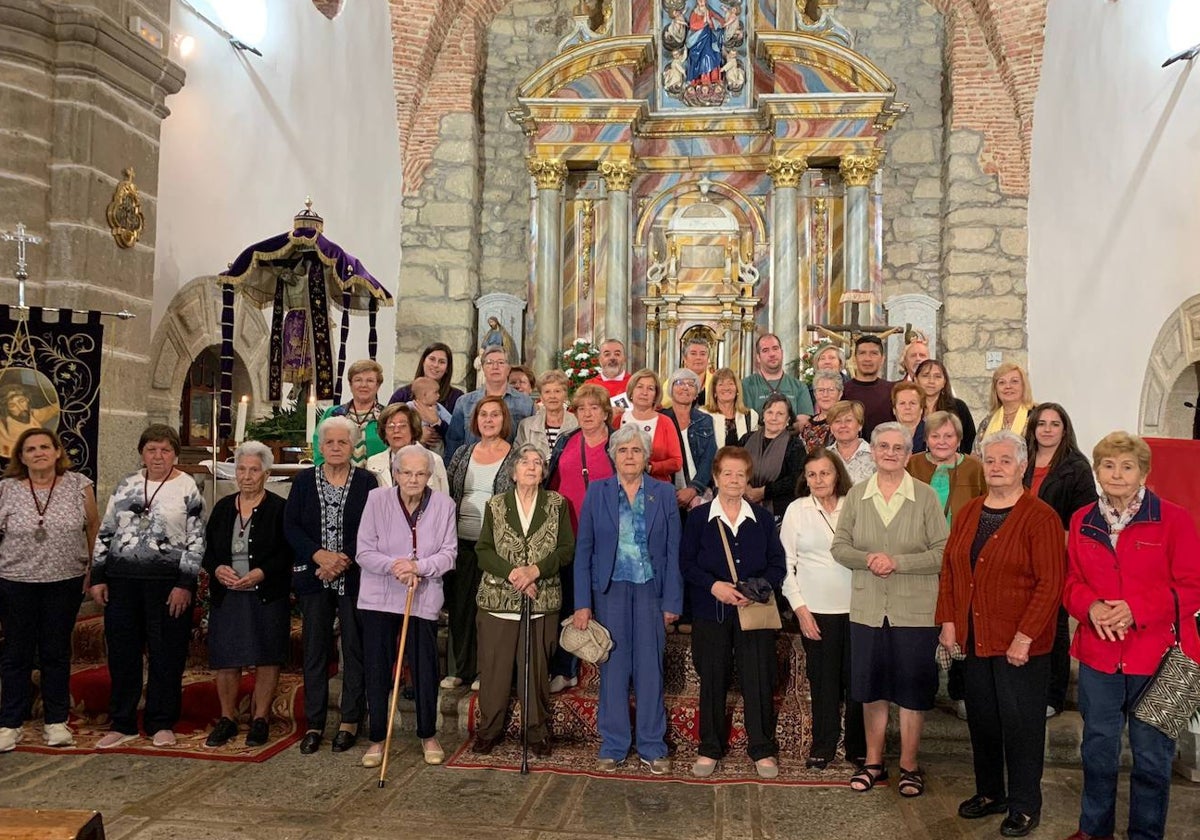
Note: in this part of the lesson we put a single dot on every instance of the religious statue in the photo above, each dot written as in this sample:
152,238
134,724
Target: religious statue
498,336
17,415
702,38
675,75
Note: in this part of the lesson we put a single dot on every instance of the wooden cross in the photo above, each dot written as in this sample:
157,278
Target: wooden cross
22,239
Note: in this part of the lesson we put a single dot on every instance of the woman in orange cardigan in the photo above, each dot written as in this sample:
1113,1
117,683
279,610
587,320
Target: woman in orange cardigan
644,392
1002,580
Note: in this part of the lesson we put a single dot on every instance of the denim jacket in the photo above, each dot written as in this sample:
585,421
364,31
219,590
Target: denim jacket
702,442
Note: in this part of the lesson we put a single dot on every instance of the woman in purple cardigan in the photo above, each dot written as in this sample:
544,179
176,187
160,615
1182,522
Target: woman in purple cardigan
408,537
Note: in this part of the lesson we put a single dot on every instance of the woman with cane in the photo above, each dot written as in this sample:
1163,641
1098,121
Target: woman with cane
526,538
406,542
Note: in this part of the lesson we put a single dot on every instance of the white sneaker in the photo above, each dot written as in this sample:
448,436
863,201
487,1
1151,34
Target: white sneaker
960,709
1050,712
475,684
114,739
58,735
164,738
9,738
561,683
451,682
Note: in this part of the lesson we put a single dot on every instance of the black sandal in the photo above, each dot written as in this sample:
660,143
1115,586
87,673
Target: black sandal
867,779
912,783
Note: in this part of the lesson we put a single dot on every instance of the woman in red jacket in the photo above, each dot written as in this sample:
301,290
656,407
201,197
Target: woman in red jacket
1130,555
644,392
1001,583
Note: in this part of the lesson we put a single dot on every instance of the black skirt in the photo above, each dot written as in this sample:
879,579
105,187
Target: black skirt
243,631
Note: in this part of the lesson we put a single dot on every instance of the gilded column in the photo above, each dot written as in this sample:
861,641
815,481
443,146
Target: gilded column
617,175
857,172
785,280
550,174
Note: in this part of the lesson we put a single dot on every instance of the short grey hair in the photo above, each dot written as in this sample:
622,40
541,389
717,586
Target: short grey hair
339,422
829,376
697,341
683,374
520,452
411,449
254,449
838,350
884,428
1006,436
625,434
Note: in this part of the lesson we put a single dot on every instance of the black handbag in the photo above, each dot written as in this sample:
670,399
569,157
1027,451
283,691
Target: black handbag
1170,697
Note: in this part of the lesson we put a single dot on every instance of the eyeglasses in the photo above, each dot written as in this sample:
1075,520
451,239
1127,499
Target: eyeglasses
407,474
395,427
896,448
825,390
494,363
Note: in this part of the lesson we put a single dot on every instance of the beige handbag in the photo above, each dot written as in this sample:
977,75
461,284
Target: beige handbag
751,616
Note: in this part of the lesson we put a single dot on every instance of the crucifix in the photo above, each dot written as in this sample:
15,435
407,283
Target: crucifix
843,335
22,239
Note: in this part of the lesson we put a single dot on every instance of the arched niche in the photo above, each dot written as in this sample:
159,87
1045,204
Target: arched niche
1171,375
191,325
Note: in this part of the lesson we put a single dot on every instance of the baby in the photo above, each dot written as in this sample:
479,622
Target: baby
435,419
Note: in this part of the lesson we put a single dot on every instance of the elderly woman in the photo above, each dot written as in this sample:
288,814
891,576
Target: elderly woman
552,420
938,395
1001,583
400,426
437,363
908,410
776,455
478,471
1060,475
845,424
830,357
891,535
644,392
321,519
1011,399
249,565
579,458
525,541
731,533
407,538
627,571
148,553
365,378
818,589
915,352
44,559
732,420
827,391
1130,557
695,437
522,379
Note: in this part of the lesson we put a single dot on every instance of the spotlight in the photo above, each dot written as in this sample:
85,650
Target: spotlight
242,45
185,45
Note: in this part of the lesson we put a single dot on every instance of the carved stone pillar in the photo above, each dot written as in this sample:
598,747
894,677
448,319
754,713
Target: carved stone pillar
550,174
857,172
617,175
785,283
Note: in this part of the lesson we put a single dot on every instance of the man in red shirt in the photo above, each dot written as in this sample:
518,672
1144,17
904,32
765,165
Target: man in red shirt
612,377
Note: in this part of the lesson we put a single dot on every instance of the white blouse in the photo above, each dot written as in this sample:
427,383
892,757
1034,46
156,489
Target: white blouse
814,579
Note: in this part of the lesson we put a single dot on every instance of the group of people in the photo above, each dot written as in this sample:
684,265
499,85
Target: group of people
895,534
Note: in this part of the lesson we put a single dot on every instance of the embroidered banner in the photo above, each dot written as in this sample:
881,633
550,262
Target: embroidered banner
50,378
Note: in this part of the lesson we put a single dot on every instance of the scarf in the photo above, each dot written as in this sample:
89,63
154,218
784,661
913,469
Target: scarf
996,422
1118,520
767,456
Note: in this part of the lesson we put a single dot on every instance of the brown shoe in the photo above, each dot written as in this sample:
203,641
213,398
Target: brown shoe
484,746
542,748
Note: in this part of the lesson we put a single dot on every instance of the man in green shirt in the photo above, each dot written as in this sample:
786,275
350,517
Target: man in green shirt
770,378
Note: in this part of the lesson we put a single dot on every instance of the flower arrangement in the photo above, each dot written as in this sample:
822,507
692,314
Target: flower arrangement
580,362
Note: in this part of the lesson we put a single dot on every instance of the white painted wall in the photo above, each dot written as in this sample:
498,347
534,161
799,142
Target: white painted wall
248,138
1114,206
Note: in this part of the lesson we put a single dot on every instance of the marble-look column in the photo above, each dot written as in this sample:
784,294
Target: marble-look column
857,172
617,175
785,281
550,174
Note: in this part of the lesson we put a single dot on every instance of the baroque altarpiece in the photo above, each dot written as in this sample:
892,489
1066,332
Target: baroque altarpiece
703,168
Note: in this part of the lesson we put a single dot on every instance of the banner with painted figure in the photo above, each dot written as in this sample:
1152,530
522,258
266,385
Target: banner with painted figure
50,378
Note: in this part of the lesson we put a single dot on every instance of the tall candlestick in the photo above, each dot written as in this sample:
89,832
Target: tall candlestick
310,416
239,434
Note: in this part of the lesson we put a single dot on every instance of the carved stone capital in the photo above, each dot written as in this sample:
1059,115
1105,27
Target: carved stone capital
617,174
857,170
549,173
786,172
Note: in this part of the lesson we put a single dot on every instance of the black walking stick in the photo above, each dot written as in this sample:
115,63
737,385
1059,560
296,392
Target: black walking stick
526,621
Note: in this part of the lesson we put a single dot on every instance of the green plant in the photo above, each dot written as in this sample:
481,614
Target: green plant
283,424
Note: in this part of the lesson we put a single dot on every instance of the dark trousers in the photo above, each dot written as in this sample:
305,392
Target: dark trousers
1060,662
37,619
461,586
319,610
137,619
1104,701
1006,716
956,680
716,646
564,663
501,645
827,663
632,612
381,641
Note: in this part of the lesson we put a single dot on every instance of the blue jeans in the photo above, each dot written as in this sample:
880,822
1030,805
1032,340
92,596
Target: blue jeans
1104,701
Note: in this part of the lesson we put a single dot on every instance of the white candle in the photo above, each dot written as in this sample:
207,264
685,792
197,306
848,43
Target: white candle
310,416
239,434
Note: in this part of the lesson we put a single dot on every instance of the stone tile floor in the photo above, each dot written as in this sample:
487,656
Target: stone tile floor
295,797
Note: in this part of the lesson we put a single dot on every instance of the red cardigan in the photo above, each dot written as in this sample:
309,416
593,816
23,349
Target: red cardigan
1157,552
666,456
1017,583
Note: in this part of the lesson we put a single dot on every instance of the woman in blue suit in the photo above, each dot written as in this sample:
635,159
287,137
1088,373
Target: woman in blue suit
627,572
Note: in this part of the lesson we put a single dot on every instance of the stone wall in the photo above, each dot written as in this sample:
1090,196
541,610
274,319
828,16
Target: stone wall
83,99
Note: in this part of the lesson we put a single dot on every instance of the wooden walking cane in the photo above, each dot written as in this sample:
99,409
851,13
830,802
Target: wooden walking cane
526,622
387,743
